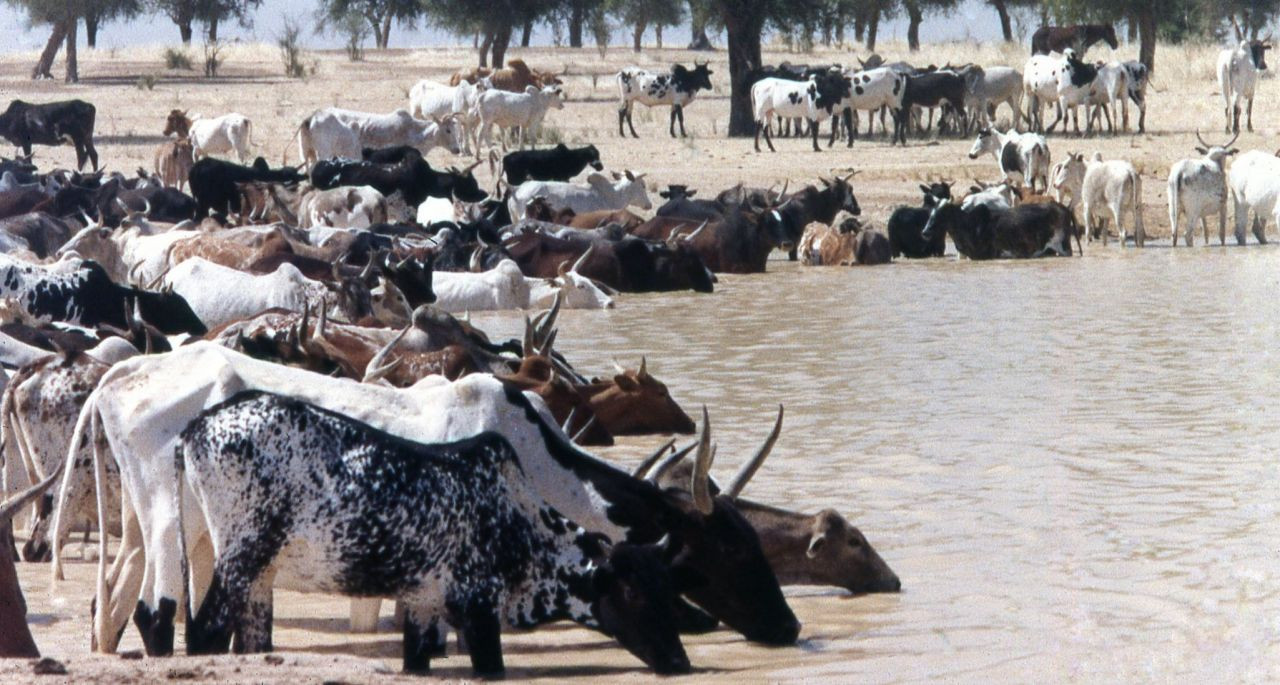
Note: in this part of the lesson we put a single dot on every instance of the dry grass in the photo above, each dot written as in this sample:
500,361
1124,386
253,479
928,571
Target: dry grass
250,82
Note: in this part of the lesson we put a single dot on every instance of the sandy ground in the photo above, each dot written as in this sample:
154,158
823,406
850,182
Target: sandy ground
310,630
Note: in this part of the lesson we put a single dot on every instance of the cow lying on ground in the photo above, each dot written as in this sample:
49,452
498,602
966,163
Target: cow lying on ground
455,530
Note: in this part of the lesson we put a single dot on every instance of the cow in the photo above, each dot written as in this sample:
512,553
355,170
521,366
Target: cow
344,133
438,102
928,90
628,265
1023,157
633,402
1198,190
506,287
524,110
218,294
53,123
1075,87
1067,180
599,193
1040,79
906,226
1254,189
1032,230
809,204
214,181
803,549
1137,77
515,77
559,163
869,90
676,88
1110,93
173,161
405,172
1107,187
486,552
824,245
739,241
1080,37
342,207
217,135
142,405
991,87
80,292
814,100
1238,72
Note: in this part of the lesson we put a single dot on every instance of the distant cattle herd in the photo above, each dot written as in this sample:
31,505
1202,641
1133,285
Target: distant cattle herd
281,326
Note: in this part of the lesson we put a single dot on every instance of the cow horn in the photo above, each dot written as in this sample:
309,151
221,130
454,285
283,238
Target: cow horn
1202,140
527,347
583,259
146,207
15,504
127,209
852,172
324,318
474,264
785,183
585,427
472,167
642,371
377,370
1233,139
618,367
549,321
655,475
648,462
699,486
696,231
302,324
560,270
749,469
572,411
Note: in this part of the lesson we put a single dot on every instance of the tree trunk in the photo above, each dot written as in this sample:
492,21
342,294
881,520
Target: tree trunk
1147,37
73,65
1006,26
44,66
501,40
657,35
914,17
526,33
386,32
484,48
743,31
576,14
859,27
15,636
873,28
637,34
213,30
91,30
184,29
1132,23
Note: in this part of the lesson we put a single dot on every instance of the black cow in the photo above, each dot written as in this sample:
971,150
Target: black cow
115,200
810,204
398,169
1081,37
87,297
559,163
1032,230
52,123
214,183
22,169
44,233
906,226
740,241
628,265
928,90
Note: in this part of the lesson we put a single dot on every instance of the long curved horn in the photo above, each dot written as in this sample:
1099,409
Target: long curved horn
585,427
572,411
696,231
16,503
302,323
648,462
660,470
1229,142
376,370
474,264
564,266
785,183
699,487
583,259
1202,140
749,469
324,318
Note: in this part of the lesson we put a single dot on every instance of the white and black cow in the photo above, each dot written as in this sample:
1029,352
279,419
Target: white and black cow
80,292
455,530
1239,68
676,88
1023,157
814,100
142,405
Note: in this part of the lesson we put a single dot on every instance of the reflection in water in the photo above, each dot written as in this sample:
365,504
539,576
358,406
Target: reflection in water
1070,463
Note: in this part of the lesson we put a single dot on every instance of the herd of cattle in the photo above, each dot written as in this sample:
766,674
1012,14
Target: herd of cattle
263,383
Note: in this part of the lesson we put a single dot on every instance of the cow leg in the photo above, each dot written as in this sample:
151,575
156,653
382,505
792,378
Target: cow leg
622,117
1249,106
239,582
479,626
835,124
757,136
364,614
672,128
423,639
767,138
1222,224
253,635
1235,118
813,130
631,124
682,132
1259,230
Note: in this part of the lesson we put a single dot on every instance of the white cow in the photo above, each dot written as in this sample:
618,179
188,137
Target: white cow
1113,187
598,194
1110,93
1238,71
1040,87
505,287
220,135
1197,189
523,110
342,207
439,101
676,88
992,87
1023,157
334,132
218,294
998,196
1067,180
1254,181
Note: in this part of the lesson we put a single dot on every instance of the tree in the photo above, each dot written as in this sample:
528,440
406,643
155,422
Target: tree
379,14
63,18
185,13
1002,8
495,21
640,14
916,9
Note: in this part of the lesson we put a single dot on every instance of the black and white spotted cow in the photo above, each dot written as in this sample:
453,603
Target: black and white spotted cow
814,100
676,88
301,497
142,405
80,292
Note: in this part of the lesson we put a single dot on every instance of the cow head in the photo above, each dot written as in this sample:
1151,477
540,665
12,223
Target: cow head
631,188
935,192
177,124
412,277
677,192
830,90
839,554
447,133
1216,153
1257,51
1068,175
635,403
841,192
678,266
464,185
578,291
636,604
168,312
1107,33
988,141
691,80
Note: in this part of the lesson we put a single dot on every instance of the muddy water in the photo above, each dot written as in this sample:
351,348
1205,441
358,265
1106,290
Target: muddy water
1070,463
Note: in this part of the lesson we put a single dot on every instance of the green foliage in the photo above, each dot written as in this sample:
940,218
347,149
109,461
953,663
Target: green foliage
177,59
648,12
213,58
289,42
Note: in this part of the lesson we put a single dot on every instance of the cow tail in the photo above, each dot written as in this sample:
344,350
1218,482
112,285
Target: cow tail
89,415
303,139
64,492
180,477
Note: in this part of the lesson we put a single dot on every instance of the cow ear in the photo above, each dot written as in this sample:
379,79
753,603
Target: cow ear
926,189
625,382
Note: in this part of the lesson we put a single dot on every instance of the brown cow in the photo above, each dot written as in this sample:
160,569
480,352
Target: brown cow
625,218
515,77
802,549
173,161
564,399
636,403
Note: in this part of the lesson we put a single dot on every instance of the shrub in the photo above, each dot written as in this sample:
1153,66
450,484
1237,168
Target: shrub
177,59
